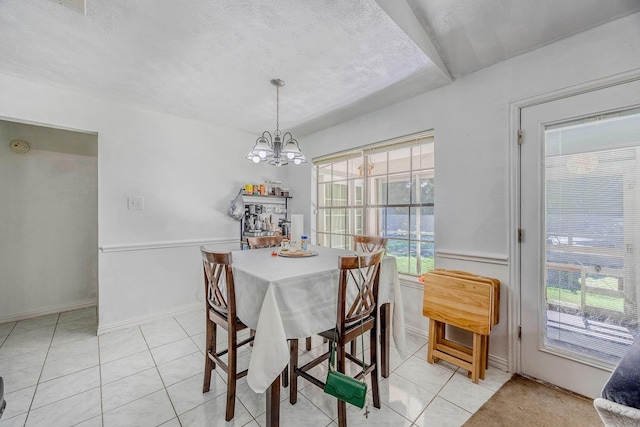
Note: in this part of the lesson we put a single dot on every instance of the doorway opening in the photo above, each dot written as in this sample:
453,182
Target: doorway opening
49,188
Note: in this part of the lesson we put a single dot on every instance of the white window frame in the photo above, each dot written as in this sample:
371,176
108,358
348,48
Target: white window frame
326,209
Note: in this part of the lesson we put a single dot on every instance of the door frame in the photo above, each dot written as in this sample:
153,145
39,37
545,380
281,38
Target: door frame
515,108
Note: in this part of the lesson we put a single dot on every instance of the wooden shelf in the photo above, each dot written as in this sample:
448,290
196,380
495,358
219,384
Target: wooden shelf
266,196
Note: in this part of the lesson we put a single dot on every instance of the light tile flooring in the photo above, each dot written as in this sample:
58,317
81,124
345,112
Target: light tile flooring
57,372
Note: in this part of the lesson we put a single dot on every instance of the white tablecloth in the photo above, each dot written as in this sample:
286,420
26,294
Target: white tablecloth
295,298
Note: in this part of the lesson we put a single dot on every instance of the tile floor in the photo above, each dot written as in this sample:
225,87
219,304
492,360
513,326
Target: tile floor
57,372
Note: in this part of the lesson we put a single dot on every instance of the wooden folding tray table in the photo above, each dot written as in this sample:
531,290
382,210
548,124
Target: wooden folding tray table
466,301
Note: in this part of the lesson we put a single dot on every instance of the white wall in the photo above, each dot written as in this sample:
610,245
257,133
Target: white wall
471,122
48,229
187,173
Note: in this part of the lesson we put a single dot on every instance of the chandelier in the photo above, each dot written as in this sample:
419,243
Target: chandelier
280,149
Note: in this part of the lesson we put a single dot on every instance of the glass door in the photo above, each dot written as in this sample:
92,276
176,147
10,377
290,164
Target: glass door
580,256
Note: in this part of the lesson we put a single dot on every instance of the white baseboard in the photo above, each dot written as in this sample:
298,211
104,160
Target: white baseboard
416,331
46,311
496,362
499,363
103,329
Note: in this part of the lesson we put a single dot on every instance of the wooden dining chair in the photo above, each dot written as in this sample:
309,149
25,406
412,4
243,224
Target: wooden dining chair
220,303
369,243
264,242
353,320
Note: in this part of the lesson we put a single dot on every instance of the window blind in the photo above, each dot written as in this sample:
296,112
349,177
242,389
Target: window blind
378,147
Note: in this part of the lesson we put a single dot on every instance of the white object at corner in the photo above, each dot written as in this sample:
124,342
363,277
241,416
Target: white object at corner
297,230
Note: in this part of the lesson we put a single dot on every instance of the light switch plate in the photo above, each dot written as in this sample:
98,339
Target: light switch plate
135,203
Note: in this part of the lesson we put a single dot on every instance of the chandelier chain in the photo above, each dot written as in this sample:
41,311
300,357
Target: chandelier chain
277,132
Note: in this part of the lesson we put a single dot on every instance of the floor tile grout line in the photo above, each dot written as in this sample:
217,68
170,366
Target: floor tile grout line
155,365
62,376
331,420
134,400
425,408
141,397
413,422
41,370
182,327
66,397
389,407
100,373
439,390
444,398
51,344
202,352
5,338
94,307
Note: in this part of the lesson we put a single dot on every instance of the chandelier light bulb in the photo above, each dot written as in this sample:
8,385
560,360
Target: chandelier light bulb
290,156
256,159
296,161
262,154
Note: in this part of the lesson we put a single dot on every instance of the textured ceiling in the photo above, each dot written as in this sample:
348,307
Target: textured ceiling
213,60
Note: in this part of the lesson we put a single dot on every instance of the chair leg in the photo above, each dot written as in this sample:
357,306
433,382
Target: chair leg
231,374
342,413
293,376
340,367
373,359
354,348
308,343
210,347
214,340
385,338
285,376
252,333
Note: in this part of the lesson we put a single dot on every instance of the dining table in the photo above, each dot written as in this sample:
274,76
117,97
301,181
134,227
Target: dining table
287,297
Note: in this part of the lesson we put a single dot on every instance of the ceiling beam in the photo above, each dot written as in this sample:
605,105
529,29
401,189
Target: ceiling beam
402,14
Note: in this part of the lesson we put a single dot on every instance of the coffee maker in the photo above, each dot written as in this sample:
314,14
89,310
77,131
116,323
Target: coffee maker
252,219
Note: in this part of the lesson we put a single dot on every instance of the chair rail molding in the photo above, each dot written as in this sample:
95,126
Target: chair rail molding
482,257
166,244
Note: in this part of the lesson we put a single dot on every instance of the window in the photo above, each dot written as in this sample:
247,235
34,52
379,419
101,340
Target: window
385,190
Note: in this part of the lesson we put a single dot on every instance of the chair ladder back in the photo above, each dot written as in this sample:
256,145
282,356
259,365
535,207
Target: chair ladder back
216,265
264,242
364,302
367,278
369,244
